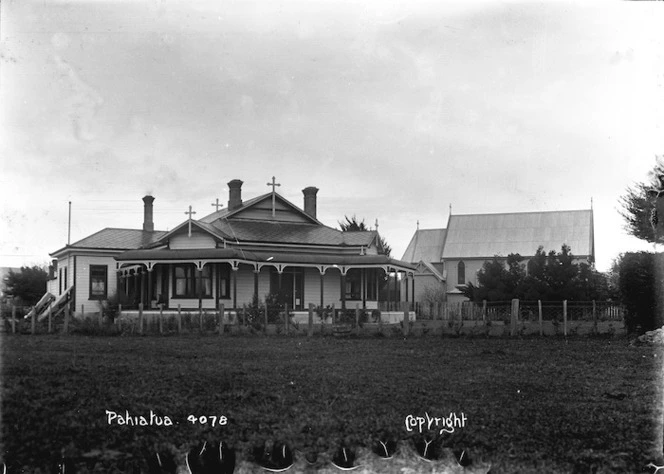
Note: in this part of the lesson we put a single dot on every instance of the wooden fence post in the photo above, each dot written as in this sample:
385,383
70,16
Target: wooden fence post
484,311
140,318
357,319
118,316
286,317
33,327
594,316
13,319
67,316
565,318
50,319
222,312
161,318
539,311
179,319
265,327
515,316
82,311
406,319
200,318
310,328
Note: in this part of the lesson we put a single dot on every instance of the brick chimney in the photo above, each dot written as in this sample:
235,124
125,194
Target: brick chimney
310,200
148,224
234,194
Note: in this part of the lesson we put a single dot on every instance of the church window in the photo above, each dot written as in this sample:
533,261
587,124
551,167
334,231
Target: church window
461,273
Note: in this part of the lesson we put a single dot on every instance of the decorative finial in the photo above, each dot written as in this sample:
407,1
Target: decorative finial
274,185
217,205
190,213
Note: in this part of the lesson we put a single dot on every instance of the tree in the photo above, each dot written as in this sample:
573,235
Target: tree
551,277
28,284
351,224
637,283
637,210
639,205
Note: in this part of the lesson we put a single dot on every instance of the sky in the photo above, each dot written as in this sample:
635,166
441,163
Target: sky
394,110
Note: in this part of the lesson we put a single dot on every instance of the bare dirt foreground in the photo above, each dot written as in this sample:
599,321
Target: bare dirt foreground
109,404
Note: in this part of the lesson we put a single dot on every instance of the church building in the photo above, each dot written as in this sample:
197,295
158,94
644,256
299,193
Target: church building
447,259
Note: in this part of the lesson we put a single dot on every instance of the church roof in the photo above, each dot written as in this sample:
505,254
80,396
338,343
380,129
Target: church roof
115,239
426,245
487,235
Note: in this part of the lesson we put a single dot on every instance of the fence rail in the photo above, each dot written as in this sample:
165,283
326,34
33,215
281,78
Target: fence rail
516,317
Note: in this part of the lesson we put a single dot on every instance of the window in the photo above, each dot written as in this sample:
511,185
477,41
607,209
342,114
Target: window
461,273
98,282
186,281
372,284
354,284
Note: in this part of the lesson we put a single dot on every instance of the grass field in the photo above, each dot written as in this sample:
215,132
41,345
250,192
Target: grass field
532,405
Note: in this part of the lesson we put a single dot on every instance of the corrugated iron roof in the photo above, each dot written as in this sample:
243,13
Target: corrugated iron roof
116,239
486,235
426,245
291,233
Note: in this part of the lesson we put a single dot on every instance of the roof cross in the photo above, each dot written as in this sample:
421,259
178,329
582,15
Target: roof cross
274,185
217,205
376,224
190,212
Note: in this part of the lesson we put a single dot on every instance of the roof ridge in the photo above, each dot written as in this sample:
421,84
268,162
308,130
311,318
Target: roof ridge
520,212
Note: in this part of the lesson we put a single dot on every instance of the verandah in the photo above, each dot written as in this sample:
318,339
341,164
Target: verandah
208,284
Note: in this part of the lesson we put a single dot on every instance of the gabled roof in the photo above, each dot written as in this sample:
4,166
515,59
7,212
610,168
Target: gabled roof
258,199
201,225
424,267
291,233
487,235
115,239
425,245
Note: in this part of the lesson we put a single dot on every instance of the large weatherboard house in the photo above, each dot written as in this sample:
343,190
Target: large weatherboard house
250,249
450,258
